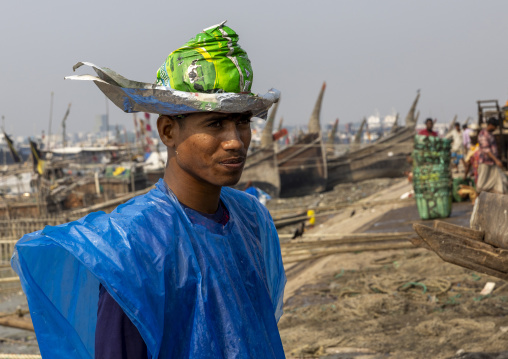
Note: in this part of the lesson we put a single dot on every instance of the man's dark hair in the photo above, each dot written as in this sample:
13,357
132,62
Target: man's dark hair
180,119
429,120
493,121
464,126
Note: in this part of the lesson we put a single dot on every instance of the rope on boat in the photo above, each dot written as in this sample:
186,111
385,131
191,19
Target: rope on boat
20,356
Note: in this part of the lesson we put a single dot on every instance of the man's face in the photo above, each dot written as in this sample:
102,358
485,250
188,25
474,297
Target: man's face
212,147
491,127
429,125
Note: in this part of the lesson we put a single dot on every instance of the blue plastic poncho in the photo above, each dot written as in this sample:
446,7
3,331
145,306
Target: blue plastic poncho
191,292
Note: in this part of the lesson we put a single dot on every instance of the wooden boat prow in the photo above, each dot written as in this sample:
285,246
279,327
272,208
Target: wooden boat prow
464,247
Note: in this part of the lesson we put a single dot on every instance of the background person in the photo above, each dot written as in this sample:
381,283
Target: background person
427,131
490,175
457,148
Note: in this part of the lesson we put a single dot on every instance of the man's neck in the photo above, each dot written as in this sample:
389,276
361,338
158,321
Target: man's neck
202,197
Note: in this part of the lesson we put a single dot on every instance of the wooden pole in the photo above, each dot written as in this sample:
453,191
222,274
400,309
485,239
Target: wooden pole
17,323
50,120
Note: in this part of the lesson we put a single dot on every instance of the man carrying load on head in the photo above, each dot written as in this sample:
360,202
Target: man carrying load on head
490,175
192,269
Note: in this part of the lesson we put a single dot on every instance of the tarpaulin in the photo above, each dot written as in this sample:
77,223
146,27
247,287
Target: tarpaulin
191,292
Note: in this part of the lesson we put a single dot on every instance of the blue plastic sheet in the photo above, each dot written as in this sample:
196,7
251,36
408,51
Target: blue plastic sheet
191,292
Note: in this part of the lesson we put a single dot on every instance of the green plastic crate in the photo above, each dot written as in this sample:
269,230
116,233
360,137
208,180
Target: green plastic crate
434,205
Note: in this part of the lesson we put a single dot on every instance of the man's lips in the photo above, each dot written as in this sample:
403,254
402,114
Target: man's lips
233,162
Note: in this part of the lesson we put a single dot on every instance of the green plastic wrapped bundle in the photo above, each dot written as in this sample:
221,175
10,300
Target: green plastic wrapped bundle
434,205
428,169
431,186
425,157
210,62
432,181
432,143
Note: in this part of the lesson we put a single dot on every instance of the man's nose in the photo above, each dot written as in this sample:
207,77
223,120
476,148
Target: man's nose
231,137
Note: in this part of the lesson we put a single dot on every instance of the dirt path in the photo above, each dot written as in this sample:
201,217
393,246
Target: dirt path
344,223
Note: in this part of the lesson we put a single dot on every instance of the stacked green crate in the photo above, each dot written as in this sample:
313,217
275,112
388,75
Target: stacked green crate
432,180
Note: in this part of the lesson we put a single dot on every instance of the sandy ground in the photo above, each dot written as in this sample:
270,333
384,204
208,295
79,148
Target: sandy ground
16,341
391,304
404,303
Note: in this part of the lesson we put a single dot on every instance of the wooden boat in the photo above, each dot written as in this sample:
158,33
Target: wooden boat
481,248
297,170
261,166
464,247
261,169
302,166
387,157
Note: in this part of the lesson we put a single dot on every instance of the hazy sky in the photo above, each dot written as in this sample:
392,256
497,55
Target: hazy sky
373,55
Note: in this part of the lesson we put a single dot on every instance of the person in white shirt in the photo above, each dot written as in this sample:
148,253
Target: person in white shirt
457,145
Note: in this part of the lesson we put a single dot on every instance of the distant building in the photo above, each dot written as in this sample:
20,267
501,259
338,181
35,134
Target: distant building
101,123
348,128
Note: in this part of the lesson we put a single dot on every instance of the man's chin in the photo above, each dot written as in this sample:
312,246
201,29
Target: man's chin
230,181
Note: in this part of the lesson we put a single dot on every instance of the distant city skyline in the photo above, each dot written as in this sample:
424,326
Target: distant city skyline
373,55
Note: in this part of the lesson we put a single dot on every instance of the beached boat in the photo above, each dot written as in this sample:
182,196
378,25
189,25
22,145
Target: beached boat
464,247
387,157
302,166
296,170
261,168
482,248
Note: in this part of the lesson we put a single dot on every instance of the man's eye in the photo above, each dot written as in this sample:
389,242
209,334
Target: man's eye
216,124
244,121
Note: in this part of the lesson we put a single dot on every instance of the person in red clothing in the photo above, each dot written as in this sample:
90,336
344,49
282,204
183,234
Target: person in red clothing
490,174
429,124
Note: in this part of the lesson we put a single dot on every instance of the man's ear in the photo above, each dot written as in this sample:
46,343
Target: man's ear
166,126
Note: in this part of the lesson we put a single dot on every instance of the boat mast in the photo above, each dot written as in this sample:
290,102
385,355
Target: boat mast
3,149
333,132
358,136
50,120
64,141
314,124
395,125
107,122
267,134
410,118
330,142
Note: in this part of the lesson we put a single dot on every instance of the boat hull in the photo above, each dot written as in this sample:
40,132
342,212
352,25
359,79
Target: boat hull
302,167
386,158
261,169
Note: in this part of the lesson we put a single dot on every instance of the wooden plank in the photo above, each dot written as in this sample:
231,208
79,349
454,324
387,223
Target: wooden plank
9,280
419,242
17,323
335,236
373,247
368,237
490,214
465,252
459,230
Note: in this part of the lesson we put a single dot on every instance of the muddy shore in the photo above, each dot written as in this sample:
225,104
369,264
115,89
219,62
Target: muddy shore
398,303
404,303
